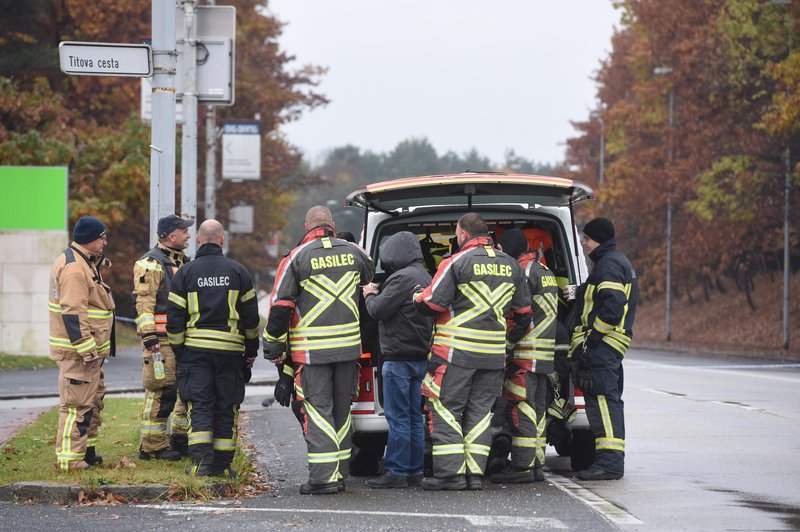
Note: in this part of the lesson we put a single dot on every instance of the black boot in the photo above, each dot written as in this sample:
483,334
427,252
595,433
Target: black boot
92,458
387,480
458,482
474,482
201,470
162,454
514,475
179,443
319,489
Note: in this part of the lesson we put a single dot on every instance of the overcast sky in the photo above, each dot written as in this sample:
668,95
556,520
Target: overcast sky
492,75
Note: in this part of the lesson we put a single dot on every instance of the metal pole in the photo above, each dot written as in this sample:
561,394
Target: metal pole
211,162
786,190
602,148
189,128
162,125
668,298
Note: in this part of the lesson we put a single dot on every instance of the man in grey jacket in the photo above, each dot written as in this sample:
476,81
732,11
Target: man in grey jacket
405,338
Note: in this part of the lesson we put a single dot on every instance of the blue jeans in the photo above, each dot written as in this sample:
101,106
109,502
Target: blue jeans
402,400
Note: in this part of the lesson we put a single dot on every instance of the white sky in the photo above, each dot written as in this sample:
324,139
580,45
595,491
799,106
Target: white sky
464,73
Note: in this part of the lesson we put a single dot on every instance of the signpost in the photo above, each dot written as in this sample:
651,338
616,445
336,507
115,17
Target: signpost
105,59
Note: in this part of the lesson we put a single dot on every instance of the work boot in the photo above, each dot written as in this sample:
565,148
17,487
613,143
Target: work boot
538,474
179,443
224,471
340,485
162,454
474,482
387,480
75,465
202,470
514,475
595,473
457,482
414,480
92,458
309,488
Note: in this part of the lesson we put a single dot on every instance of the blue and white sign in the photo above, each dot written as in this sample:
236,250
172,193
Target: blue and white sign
241,150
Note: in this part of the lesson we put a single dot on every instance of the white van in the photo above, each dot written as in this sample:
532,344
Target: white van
430,206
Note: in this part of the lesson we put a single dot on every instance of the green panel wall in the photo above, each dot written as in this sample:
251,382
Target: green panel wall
33,197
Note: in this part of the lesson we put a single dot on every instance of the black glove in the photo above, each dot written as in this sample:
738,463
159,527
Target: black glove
582,375
284,387
149,340
561,366
274,351
247,365
594,338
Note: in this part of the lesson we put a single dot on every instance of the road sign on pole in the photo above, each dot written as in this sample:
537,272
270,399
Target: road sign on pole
106,59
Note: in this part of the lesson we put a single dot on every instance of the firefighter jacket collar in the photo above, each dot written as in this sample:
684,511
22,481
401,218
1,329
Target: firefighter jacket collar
177,257
209,248
475,241
318,232
602,249
526,258
85,252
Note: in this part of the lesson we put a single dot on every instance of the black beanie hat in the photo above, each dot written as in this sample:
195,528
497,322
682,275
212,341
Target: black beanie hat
600,230
88,229
514,242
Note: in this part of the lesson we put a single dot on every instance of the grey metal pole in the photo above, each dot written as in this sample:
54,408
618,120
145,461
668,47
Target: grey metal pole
189,128
162,125
668,298
211,162
602,148
786,191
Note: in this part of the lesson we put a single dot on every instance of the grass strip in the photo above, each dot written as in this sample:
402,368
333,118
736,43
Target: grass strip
15,362
30,456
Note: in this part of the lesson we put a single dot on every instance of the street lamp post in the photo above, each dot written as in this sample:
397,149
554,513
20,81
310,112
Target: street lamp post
662,71
597,116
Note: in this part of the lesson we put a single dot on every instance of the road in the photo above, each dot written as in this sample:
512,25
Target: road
712,444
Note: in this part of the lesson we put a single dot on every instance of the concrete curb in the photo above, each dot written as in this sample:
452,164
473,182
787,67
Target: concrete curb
60,493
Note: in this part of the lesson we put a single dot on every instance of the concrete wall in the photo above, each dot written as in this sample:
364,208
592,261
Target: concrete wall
25,259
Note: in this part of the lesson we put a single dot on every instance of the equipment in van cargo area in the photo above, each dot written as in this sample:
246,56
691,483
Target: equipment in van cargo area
429,207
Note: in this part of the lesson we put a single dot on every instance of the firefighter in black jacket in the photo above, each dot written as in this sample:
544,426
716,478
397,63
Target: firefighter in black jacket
212,320
607,308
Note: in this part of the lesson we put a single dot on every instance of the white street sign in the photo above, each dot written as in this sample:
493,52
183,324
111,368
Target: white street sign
241,150
106,59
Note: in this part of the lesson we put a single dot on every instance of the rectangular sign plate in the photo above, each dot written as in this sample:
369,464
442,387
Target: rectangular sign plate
106,59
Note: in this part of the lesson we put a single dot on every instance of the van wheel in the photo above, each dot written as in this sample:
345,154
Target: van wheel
367,453
582,452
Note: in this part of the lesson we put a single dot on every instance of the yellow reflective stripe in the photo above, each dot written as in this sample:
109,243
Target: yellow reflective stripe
178,300
145,318
344,454
311,330
213,344
60,342
611,444
66,437
233,314
611,285
476,448
176,338
153,265
514,388
608,428
214,334
224,444
616,345
54,307
98,314
180,422
452,448
331,343
323,458
277,339
446,415
321,422
490,251
85,346
194,309
200,437
326,242
588,302
519,441
251,333
490,349
343,432
602,326
288,370
250,294
429,381
104,346
467,332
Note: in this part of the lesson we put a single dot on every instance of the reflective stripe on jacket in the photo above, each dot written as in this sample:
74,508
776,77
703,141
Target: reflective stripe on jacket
81,307
536,351
473,292
319,280
152,278
212,305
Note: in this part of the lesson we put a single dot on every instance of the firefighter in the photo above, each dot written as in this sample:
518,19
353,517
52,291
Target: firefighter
532,358
472,293
607,308
81,337
152,279
212,321
314,307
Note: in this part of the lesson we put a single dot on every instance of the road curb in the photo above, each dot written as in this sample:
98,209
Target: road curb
60,493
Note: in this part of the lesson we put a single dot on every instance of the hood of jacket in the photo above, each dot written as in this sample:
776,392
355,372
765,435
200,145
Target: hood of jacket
399,251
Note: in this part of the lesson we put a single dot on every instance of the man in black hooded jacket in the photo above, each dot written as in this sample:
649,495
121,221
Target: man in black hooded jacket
405,339
607,306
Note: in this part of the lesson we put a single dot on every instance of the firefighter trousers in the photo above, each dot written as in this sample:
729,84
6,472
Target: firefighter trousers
527,419
80,392
212,385
605,409
459,420
326,391
160,400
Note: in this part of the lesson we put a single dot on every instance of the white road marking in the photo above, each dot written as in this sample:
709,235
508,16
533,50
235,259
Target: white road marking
607,509
733,369
476,520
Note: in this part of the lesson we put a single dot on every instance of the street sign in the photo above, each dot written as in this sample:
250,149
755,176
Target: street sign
241,150
106,59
